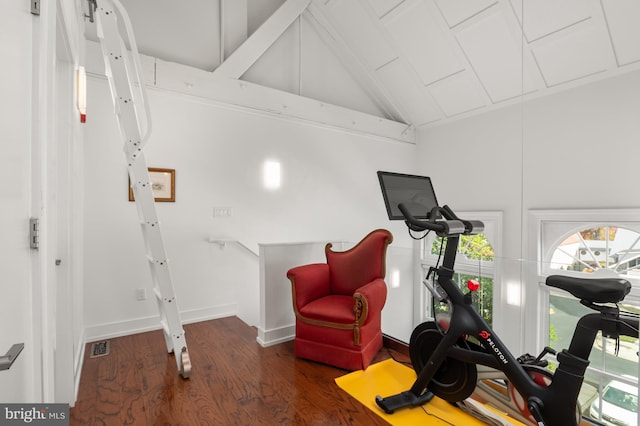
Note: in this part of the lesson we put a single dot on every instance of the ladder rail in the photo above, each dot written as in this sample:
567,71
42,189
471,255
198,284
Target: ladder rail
135,66
130,114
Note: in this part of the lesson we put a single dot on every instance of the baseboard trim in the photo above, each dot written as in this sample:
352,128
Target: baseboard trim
79,363
395,344
274,336
142,325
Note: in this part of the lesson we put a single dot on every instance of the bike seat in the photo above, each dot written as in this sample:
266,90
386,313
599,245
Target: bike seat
596,290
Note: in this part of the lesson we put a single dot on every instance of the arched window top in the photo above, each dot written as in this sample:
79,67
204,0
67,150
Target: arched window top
599,248
592,241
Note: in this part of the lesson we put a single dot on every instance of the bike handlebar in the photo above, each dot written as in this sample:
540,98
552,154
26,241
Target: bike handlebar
451,225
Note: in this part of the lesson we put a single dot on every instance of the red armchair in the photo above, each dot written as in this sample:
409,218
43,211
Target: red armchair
338,304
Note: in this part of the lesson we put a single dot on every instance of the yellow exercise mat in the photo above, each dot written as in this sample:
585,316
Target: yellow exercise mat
389,378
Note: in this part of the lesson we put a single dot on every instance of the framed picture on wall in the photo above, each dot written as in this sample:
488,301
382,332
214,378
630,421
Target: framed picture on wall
163,185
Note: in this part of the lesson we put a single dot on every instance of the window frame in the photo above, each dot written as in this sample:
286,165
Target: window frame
549,228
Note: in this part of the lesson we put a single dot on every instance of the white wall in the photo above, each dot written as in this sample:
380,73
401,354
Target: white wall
329,192
586,140
575,149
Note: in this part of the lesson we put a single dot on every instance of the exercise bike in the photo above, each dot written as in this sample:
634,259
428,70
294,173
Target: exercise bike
447,361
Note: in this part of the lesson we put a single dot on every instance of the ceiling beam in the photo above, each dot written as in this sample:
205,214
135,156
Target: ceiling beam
258,43
235,94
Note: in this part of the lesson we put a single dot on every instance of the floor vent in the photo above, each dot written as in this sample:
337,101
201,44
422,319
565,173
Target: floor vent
99,349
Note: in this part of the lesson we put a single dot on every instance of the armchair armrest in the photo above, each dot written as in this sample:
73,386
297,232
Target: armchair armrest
309,282
371,297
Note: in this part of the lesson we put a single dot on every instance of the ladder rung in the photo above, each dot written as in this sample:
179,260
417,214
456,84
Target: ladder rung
140,184
161,297
167,331
155,261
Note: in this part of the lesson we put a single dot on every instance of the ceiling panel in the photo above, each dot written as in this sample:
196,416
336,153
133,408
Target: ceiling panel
361,33
415,102
423,38
622,18
382,7
456,12
575,52
284,56
170,31
495,56
457,94
543,17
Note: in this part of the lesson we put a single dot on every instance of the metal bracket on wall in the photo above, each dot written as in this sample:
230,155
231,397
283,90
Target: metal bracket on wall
35,7
34,233
7,360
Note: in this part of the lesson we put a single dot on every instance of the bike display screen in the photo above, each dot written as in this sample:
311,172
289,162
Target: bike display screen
415,192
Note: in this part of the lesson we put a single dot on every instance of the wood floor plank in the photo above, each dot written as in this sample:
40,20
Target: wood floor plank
234,381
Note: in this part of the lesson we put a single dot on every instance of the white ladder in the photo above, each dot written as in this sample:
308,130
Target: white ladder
127,88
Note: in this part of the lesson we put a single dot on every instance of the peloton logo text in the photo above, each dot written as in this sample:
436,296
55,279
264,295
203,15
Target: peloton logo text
487,337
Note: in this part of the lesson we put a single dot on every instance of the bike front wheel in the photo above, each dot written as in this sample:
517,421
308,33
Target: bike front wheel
455,380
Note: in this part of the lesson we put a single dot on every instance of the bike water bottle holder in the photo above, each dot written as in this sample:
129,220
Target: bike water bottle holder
436,291
432,285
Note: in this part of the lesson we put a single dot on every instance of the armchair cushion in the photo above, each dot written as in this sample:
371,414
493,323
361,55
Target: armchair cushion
331,311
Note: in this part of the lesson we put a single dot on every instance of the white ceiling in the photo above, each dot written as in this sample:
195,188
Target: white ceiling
422,62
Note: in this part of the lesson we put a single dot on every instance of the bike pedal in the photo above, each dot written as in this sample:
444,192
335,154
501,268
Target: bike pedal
402,400
526,359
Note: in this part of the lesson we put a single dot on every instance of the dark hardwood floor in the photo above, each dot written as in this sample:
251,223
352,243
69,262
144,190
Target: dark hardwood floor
234,381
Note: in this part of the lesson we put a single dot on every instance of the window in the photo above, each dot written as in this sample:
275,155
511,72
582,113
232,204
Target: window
475,260
592,244
474,251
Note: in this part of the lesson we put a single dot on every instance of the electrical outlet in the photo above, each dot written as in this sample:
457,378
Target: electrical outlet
222,212
141,294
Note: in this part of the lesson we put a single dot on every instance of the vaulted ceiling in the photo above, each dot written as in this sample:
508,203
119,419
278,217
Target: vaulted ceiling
417,62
